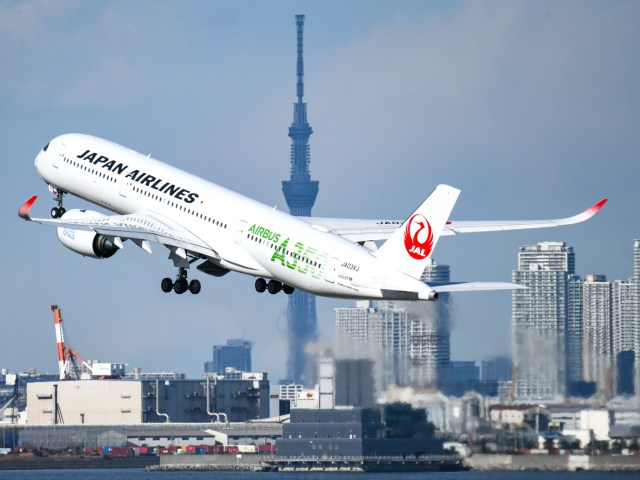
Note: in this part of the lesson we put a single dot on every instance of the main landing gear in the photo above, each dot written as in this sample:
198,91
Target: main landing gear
273,286
181,284
57,212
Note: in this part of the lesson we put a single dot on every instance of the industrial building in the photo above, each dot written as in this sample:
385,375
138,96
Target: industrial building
392,430
129,402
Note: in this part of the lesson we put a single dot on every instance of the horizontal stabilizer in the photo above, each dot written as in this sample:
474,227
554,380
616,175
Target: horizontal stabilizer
441,287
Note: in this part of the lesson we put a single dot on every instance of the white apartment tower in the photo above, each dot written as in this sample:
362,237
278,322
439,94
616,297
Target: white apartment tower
597,334
625,325
636,260
539,319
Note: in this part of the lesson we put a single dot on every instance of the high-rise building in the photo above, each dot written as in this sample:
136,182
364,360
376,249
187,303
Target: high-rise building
597,361
625,322
409,341
437,314
300,193
636,260
573,334
235,354
401,337
539,317
636,280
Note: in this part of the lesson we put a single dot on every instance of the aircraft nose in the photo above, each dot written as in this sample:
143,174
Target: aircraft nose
40,160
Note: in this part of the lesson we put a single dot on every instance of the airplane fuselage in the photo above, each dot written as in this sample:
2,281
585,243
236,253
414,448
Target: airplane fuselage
243,235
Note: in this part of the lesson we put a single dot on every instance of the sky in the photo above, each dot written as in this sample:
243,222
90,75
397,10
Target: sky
532,109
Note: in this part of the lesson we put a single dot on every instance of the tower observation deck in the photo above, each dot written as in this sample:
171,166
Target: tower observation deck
300,193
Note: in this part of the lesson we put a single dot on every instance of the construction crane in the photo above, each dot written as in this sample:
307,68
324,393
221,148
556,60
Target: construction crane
68,358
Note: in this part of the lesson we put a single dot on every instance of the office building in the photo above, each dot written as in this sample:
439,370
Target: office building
236,354
497,369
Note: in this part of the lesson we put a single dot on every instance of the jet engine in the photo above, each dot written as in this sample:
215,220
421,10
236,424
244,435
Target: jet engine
86,242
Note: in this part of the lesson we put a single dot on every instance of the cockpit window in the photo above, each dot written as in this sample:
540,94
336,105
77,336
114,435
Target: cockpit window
45,147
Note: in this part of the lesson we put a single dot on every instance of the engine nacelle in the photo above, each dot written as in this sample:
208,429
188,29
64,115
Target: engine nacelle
433,296
86,242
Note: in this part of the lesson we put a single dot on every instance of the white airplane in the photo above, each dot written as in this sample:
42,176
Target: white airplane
198,220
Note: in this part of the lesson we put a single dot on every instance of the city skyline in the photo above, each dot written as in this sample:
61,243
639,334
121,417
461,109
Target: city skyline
572,336
532,111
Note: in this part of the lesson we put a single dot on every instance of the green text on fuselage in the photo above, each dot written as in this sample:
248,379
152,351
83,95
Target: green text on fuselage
265,233
304,260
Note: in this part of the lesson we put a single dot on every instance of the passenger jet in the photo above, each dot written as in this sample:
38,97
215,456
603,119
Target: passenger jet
199,221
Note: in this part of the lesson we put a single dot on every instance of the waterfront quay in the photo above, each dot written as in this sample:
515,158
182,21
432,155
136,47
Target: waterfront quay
480,462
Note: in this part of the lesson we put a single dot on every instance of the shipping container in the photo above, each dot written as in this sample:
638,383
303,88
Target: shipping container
232,449
146,451
91,450
118,451
247,449
267,448
215,449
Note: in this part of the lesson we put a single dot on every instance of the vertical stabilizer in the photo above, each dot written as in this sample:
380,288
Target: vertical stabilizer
409,248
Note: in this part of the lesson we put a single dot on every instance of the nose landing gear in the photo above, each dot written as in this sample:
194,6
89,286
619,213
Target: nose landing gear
57,212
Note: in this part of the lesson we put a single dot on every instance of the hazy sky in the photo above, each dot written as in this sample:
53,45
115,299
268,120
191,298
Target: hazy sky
532,109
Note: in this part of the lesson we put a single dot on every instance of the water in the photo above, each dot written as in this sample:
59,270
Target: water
140,474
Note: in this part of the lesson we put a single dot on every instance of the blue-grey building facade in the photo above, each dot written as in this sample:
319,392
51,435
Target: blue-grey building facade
235,354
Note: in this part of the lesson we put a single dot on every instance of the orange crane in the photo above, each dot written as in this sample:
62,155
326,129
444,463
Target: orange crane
67,356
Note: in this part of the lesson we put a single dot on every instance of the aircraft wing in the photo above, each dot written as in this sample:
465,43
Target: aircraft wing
358,230
140,227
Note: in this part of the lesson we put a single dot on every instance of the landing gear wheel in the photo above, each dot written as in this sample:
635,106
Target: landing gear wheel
261,285
194,287
180,286
274,287
57,212
166,285
288,289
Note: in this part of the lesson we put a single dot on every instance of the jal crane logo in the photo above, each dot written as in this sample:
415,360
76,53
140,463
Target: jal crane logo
418,237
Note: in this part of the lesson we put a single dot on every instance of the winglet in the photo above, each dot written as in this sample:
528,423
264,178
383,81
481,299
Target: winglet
593,210
25,209
586,215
